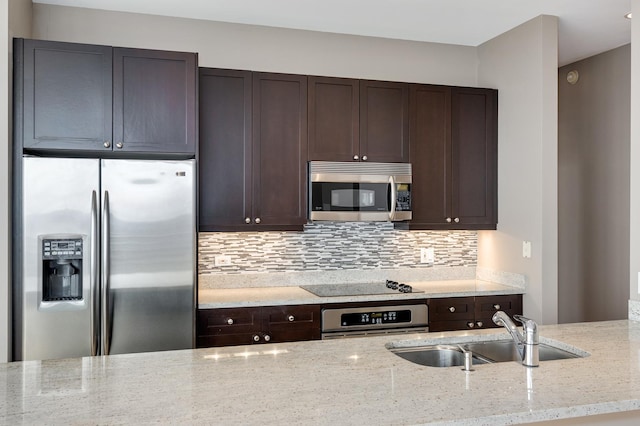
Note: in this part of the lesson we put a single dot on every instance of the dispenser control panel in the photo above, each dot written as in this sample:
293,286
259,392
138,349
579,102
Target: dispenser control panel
62,249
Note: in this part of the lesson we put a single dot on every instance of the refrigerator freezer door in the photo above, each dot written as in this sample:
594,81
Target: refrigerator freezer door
57,201
151,254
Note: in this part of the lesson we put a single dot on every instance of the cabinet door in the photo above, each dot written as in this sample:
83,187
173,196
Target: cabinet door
67,95
227,327
292,323
225,149
154,101
279,150
486,306
430,155
474,147
384,121
334,123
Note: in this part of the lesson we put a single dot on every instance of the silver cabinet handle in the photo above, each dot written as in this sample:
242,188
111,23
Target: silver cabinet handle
119,145
257,220
479,324
364,158
256,338
456,220
291,318
448,220
355,157
230,321
247,220
106,326
470,324
107,144
95,277
267,338
496,307
452,309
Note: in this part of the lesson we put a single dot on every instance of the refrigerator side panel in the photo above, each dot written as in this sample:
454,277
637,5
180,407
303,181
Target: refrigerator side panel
57,248
151,256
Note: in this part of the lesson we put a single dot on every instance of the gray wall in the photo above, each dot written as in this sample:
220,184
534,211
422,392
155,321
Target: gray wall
523,64
593,188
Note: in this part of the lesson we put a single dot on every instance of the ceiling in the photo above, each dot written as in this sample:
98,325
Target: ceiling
586,27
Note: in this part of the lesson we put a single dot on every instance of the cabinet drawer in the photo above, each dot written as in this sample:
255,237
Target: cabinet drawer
486,306
228,321
291,314
451,309
292,323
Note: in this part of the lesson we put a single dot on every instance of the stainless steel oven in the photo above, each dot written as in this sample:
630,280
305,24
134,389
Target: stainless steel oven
362,321
344,191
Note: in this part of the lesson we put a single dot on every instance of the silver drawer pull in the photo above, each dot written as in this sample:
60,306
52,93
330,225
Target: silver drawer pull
496,307
230,321
291,318
452,309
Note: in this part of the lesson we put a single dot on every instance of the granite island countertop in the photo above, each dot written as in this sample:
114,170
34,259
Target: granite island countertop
344,381
210,298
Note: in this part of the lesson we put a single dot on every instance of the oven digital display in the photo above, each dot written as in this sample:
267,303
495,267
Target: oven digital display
378,317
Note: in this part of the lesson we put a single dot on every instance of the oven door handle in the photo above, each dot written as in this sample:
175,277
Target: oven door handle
394,198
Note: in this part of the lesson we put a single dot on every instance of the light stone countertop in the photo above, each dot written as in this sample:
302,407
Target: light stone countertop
209,298
329,382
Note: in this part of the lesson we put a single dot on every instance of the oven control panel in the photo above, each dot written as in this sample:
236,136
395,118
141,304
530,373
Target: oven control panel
377,317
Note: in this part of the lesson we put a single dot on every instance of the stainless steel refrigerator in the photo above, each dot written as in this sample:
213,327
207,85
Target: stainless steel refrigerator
108,256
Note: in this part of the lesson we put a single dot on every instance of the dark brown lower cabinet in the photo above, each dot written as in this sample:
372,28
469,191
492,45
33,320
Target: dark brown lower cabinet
465,313
244,326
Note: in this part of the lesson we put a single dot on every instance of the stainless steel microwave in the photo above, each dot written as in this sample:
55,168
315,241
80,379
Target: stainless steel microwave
359,191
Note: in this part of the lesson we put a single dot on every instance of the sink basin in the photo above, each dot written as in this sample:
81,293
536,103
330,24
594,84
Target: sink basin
436,356
506,350
483,353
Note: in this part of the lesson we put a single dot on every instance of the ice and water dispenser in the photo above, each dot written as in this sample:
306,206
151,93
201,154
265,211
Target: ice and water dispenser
61,269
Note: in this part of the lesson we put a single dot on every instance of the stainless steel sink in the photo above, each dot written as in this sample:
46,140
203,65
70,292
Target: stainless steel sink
506,350
483,353
436,356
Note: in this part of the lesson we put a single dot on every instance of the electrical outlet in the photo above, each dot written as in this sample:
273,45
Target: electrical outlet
222,260
526,249
427,255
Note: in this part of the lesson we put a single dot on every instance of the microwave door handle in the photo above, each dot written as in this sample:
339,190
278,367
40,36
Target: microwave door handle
394,198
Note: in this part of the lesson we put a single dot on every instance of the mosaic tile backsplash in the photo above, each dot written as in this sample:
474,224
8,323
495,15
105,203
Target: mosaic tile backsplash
325,246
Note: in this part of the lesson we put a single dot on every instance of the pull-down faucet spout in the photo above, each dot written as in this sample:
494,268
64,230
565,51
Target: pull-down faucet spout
527,344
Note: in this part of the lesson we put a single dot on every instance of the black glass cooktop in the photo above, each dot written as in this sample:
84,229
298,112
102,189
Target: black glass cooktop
358,289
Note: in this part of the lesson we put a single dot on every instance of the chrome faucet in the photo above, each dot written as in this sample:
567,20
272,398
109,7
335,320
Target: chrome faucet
527,344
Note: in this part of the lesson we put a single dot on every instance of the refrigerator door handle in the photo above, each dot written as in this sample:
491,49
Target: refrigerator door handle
106,324
95,278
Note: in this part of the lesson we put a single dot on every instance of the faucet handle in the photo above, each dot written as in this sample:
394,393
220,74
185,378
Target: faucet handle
530,329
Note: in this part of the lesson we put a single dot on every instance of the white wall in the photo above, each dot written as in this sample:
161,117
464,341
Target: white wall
15,21
238,46
522,63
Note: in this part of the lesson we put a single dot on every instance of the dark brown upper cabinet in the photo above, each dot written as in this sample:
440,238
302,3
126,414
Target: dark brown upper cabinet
66,95
154,101
98,99
334,121
384,121
253,151
357,120
454,157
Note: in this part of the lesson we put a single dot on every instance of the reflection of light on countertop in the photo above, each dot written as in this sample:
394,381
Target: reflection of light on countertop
216,356
246,354
354,357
